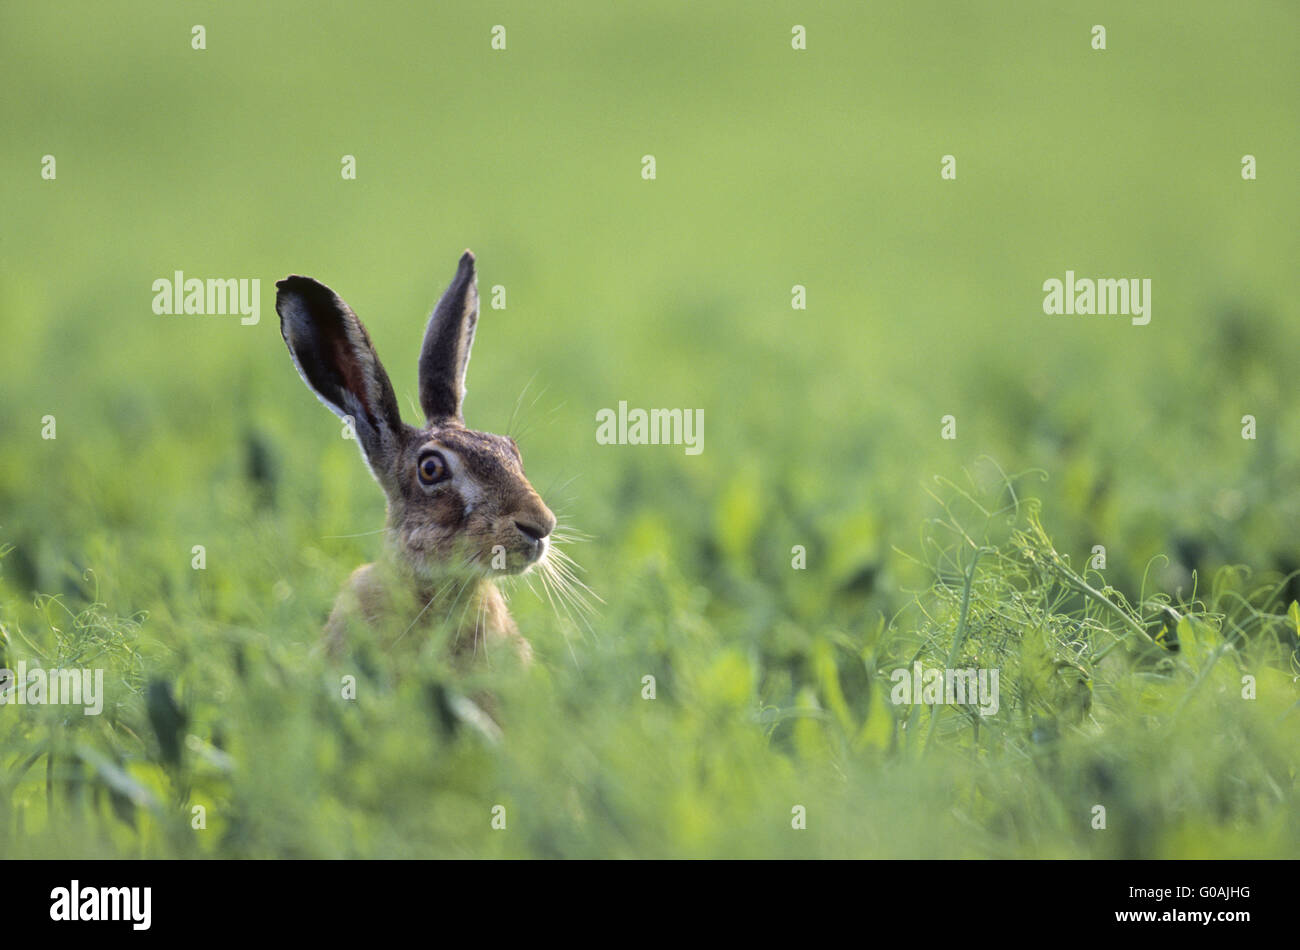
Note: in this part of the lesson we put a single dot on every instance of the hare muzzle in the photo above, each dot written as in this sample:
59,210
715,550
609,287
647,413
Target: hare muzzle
534,523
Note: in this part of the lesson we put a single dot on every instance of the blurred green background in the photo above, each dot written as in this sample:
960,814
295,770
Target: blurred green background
775,167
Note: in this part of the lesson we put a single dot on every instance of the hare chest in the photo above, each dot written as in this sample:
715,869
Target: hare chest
481,628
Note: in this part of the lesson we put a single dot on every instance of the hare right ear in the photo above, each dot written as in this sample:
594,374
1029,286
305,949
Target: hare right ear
334,356
444,356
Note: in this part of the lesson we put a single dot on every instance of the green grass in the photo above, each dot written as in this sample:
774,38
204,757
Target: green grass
1136,708
1120,687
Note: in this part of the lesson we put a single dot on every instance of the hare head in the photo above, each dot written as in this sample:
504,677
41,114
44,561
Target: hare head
458,500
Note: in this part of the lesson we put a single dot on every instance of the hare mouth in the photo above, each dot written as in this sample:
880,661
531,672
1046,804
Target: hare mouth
495,561
531,558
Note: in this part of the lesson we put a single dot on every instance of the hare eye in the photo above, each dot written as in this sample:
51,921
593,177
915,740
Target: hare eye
433,469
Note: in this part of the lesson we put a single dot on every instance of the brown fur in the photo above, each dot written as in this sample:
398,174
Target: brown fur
485,628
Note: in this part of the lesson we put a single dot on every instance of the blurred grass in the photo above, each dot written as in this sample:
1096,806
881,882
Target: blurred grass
822,426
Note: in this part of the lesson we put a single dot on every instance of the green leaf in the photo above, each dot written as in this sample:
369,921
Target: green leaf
828,675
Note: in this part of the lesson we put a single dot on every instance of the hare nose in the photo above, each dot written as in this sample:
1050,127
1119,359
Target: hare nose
534,531
536,524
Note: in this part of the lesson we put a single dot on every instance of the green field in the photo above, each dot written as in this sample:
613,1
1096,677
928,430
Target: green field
1124,687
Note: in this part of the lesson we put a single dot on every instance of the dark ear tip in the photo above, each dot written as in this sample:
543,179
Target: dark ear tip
295,282
467,259
304,294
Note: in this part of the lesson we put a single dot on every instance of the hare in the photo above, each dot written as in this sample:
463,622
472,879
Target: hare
459,506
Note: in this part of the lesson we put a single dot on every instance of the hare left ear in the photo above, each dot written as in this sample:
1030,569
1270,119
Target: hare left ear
447,341
335,357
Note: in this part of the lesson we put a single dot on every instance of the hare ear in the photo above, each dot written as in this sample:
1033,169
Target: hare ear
335,358
447,341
